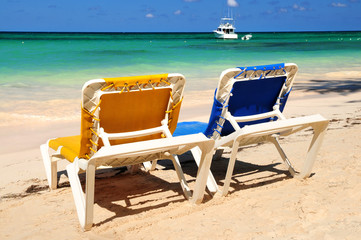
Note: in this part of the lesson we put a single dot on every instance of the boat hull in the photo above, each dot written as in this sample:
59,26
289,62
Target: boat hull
225,35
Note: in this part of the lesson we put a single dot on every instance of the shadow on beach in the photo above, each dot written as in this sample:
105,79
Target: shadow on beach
124,194
342,87
245,174
129,194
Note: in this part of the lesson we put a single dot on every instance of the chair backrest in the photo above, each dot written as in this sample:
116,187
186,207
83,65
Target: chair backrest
250,91
128,104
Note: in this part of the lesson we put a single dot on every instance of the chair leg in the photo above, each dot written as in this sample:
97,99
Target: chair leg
203,172
84,206
232,161
283,155
50,164
147,166
154,165
211,182
319,133
150,165
180,174
89,195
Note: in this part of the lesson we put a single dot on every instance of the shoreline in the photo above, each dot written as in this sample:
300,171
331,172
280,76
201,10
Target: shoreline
44,108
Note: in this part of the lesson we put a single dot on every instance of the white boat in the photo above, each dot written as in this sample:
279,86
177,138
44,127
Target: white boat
247,37
226,29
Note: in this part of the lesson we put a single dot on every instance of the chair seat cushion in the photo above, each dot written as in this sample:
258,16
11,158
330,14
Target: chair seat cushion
70,146
185,128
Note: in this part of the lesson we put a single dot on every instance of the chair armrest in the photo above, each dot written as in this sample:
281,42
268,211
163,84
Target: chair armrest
114,136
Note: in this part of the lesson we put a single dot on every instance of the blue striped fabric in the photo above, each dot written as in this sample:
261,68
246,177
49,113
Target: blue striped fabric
248,98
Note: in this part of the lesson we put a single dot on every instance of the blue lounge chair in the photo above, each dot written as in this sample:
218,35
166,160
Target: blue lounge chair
247,109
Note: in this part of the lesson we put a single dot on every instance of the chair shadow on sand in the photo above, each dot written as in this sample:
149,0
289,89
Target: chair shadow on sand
126,194
245,174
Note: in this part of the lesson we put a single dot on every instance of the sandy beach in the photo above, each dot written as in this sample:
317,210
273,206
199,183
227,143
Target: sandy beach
264,201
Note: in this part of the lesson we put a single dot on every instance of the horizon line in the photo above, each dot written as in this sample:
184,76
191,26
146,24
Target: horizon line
118,32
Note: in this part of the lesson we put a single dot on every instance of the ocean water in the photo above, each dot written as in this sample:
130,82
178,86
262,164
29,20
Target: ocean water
37,67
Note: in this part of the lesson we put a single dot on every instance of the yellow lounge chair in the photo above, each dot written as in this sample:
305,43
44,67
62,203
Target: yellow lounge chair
125,121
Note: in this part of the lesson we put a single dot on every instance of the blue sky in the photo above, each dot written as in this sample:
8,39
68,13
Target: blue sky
178,15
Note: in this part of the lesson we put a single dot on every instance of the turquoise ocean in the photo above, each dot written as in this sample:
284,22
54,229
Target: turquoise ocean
50,66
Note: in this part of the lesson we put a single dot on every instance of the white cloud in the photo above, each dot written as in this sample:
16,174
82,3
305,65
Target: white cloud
283,10
232,3
178,12
298,7
338,4
149,15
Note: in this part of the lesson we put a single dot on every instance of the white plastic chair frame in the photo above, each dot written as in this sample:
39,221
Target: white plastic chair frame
270,132
263,132
129,154
150,150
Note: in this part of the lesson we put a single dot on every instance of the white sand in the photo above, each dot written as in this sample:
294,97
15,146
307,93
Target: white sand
264,202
